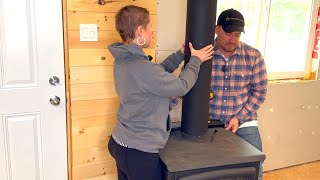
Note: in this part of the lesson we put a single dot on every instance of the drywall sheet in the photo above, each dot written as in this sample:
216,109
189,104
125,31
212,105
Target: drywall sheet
171,27
289,122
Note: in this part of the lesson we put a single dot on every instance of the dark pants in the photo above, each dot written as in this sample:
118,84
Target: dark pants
133,164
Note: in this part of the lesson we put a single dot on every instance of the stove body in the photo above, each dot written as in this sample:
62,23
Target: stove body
220,155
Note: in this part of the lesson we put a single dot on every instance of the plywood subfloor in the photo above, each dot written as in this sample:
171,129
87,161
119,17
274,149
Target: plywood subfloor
308,171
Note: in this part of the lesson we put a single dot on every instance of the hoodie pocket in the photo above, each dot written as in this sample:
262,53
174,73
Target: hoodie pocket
169,123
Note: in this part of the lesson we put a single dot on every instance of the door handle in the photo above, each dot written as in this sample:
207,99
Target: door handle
55,100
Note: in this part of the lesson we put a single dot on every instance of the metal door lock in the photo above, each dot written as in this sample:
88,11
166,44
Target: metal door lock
55,100
54,80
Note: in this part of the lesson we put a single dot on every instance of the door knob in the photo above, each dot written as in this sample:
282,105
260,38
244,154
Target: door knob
55,100
54,80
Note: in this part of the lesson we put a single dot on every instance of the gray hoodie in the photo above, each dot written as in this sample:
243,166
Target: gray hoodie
144,88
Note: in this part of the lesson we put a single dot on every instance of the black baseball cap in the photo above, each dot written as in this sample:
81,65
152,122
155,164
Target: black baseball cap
231,20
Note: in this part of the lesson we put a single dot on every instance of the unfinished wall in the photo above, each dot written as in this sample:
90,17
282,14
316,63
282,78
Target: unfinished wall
289,123
94,101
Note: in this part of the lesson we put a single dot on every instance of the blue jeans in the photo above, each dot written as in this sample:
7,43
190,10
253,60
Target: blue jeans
252,136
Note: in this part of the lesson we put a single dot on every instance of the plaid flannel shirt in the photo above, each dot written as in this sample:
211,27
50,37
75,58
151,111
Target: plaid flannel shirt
173,102
239,84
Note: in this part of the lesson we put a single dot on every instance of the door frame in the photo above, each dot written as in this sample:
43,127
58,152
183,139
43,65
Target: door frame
67,85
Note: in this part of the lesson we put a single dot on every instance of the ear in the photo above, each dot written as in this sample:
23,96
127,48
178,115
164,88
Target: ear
139,31
217,29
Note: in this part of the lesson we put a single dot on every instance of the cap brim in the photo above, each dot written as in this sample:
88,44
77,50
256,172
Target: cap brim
233,28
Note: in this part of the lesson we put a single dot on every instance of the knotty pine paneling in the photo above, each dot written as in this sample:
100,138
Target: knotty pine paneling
87,128
82,109
91,137
104,177
95,170
89,156
105,38
94,121
90,57
104,21
93,91
95,57
90,133
91,74
110,6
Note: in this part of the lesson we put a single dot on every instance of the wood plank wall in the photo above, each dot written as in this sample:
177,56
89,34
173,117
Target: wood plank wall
94,101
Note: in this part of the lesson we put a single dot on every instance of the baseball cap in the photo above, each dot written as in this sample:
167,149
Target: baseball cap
231,20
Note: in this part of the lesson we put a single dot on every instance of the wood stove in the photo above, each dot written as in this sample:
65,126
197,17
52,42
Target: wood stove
219,155
194,151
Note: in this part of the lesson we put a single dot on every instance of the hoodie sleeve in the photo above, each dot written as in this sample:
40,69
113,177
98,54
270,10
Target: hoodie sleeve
157,81
172,62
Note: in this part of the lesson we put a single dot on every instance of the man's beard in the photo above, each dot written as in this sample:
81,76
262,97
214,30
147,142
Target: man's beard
229,48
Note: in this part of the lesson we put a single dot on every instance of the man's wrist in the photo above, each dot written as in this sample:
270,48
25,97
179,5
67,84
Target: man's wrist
240,119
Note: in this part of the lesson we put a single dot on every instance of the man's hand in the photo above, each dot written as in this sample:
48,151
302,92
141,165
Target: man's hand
233,125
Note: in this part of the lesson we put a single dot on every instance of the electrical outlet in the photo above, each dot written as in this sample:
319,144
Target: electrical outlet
88,32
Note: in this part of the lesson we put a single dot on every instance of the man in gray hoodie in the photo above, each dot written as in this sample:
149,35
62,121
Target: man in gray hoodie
144,89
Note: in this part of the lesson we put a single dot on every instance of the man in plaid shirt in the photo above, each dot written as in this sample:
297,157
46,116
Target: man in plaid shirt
238,80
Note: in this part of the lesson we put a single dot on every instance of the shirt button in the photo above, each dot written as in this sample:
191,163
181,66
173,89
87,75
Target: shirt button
227,64
226,77
223,112
225,88
224,100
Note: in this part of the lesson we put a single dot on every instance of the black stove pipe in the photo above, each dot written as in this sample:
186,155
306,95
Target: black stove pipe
201,18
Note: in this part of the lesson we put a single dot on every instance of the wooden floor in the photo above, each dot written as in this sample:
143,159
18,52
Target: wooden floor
309,171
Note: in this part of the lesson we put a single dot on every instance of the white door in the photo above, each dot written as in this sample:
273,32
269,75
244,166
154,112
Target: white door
33,143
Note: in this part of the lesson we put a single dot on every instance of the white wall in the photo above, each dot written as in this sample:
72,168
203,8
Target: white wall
289,120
